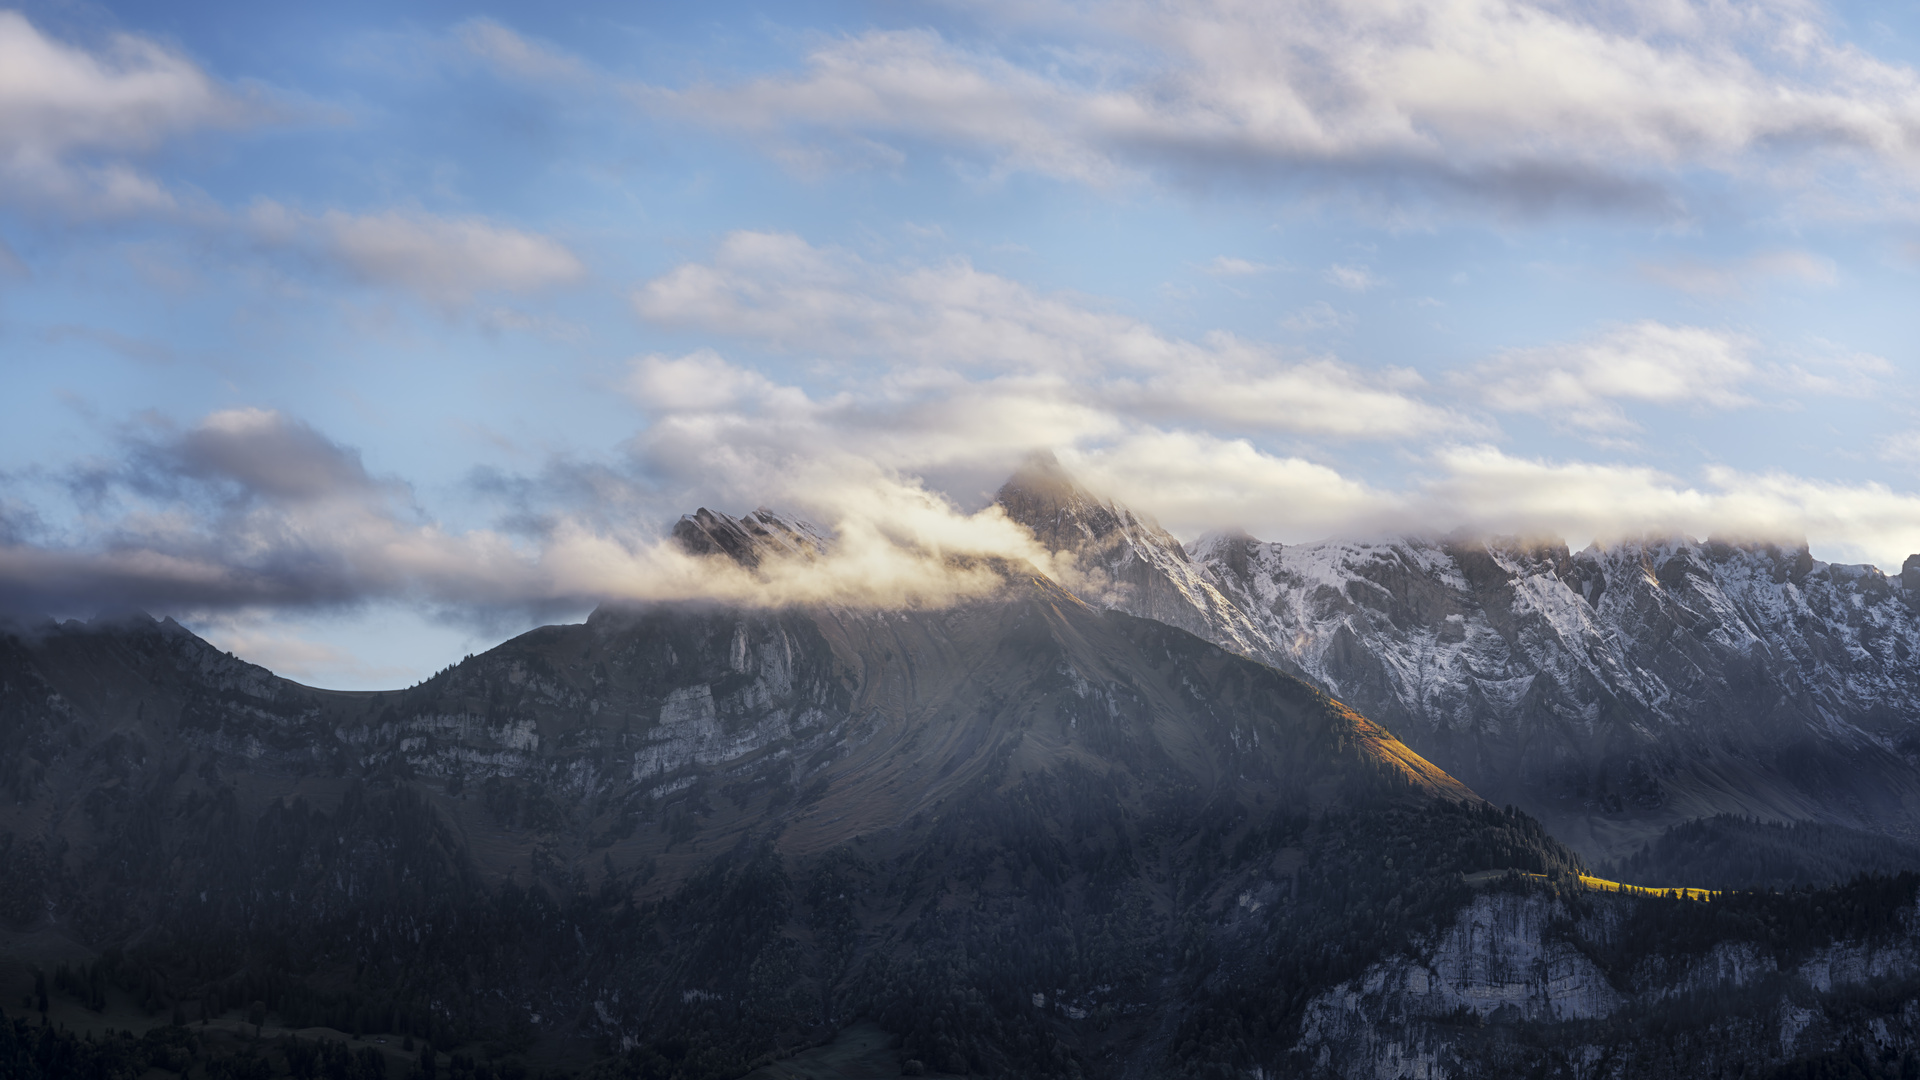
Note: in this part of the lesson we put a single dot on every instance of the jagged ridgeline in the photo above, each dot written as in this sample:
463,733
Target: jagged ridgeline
1611,692
1027,837
1018,837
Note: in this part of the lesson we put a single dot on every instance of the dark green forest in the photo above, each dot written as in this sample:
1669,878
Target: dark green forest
1733,852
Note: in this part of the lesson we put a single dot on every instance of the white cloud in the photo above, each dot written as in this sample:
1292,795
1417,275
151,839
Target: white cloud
1486,488
1351,278
1229,266
1315,397
442,260
1580,383
1522,104
1192,482
252,511
72,119
778,290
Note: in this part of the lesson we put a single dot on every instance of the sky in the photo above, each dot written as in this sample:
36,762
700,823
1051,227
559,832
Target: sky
361,337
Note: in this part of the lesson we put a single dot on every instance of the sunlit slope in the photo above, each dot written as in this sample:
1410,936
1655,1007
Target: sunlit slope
1603,885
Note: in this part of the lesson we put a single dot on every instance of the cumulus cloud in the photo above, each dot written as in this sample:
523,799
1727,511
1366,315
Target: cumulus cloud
778,290
74,120
443,260
1580,384
1522,105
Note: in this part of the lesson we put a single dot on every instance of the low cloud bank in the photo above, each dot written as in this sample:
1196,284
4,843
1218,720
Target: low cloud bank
252,510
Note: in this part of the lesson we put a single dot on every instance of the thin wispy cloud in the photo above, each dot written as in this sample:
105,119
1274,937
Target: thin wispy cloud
1732,278
781,291
75,121
1515,105
1583,384
442,260
1350,278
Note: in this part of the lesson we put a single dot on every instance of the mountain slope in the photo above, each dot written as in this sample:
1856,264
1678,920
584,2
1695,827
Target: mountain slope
1610,691
1024,836
706,834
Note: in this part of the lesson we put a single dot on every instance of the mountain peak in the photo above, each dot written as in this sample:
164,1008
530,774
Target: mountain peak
748,539
1042,476
1044,496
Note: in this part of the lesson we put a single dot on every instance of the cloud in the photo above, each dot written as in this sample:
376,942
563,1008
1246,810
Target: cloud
1316,317
1734,278
251,510
922,320
1580,383
1903,448
1483,487
1228,266
517,56
1523,106
72,119
1192,482
445,261
1351,278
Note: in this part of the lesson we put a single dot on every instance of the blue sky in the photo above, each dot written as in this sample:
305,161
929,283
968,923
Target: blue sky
359,338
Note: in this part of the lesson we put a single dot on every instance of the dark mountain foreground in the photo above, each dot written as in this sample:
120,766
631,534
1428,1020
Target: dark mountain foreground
1022,837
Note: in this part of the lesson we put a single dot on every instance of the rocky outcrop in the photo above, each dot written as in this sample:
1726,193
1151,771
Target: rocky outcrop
1545,960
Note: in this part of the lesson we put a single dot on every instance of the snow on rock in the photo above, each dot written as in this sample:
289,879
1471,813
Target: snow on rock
1608,691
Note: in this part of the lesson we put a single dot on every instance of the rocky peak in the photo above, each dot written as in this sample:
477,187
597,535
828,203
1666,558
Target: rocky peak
749,539
1064,516
1124,561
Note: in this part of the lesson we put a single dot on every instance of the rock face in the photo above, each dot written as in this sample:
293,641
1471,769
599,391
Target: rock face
1564,963
1610,691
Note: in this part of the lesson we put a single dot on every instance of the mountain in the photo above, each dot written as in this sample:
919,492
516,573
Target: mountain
706,835
1612,692
1018,837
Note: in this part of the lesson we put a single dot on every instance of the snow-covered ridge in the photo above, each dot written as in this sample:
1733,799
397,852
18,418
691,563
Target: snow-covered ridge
1609,690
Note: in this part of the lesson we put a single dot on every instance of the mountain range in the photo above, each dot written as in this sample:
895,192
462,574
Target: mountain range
1145,822
1612,692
